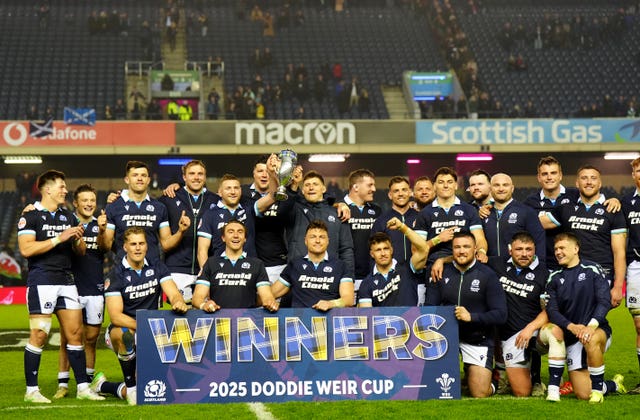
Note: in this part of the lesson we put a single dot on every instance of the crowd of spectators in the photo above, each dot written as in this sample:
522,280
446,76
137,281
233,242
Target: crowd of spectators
554,31
610,107
297,87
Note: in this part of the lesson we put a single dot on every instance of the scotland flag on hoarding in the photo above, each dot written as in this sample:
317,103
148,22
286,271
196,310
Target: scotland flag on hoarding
41,129
80,116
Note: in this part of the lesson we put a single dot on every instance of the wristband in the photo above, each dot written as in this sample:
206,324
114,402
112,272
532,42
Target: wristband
202,306
482,250
593,323
436,240
55,241
338,303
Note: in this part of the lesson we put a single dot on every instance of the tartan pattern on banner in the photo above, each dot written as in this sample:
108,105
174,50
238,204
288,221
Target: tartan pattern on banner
384,340
192,344
315,341
250,336
223,340
344,339
424,328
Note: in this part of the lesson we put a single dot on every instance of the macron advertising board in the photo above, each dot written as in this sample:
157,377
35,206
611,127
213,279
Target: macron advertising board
251,355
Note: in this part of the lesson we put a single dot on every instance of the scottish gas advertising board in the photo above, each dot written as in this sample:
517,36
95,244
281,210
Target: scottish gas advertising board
245,355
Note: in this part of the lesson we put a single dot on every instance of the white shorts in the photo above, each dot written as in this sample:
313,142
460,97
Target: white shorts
92,309
513,356
577,356
185,283
633,285
477,355
46,299
274,272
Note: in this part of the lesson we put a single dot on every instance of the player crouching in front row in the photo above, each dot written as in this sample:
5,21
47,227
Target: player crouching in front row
579,300
133,284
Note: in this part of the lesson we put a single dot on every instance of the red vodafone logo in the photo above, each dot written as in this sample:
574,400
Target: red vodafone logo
15,134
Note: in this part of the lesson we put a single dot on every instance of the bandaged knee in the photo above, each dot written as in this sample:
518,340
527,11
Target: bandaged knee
557,349
39,323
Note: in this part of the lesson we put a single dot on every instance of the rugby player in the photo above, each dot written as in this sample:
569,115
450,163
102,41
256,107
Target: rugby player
507,217
134,283
631,211
134,207
310,206
523,277
605,232
448,211
480,306
400,196
579,300
233,279
231,206
49,237
318,280
192,201
364,212
391,283
89,279
423,192
480,189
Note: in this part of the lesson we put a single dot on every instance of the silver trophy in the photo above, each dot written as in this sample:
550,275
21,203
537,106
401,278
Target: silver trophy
288,161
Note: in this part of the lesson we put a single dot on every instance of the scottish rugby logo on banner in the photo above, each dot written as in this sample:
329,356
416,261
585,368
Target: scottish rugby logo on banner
243,355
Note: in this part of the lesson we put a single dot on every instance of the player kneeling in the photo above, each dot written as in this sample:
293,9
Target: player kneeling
133,284
579,300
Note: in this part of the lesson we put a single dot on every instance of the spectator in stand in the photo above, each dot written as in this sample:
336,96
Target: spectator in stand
119,110
320,88
108,114
32,113
255,59
301,90
364,101
213,104
530,110
256,14
354,92
203,21
49,113
154,111
267,20
337,72
267,57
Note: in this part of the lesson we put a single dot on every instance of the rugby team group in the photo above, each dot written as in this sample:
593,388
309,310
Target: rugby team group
525,278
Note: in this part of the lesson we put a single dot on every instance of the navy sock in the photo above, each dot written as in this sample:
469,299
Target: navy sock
536,365
32,357
556,368
597,378
63,379
78,362
111,388
128,369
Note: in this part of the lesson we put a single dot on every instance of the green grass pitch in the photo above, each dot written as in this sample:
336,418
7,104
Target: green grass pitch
621,358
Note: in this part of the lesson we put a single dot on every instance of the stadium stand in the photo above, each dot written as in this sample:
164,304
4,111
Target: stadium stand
62,64
595,57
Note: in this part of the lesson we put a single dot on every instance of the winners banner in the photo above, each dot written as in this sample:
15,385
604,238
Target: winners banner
247,355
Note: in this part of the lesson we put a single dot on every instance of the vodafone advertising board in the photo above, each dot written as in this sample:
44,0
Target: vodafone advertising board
103,133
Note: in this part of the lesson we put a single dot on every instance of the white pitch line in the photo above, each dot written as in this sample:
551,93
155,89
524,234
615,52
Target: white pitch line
261,411
58,407
414,386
